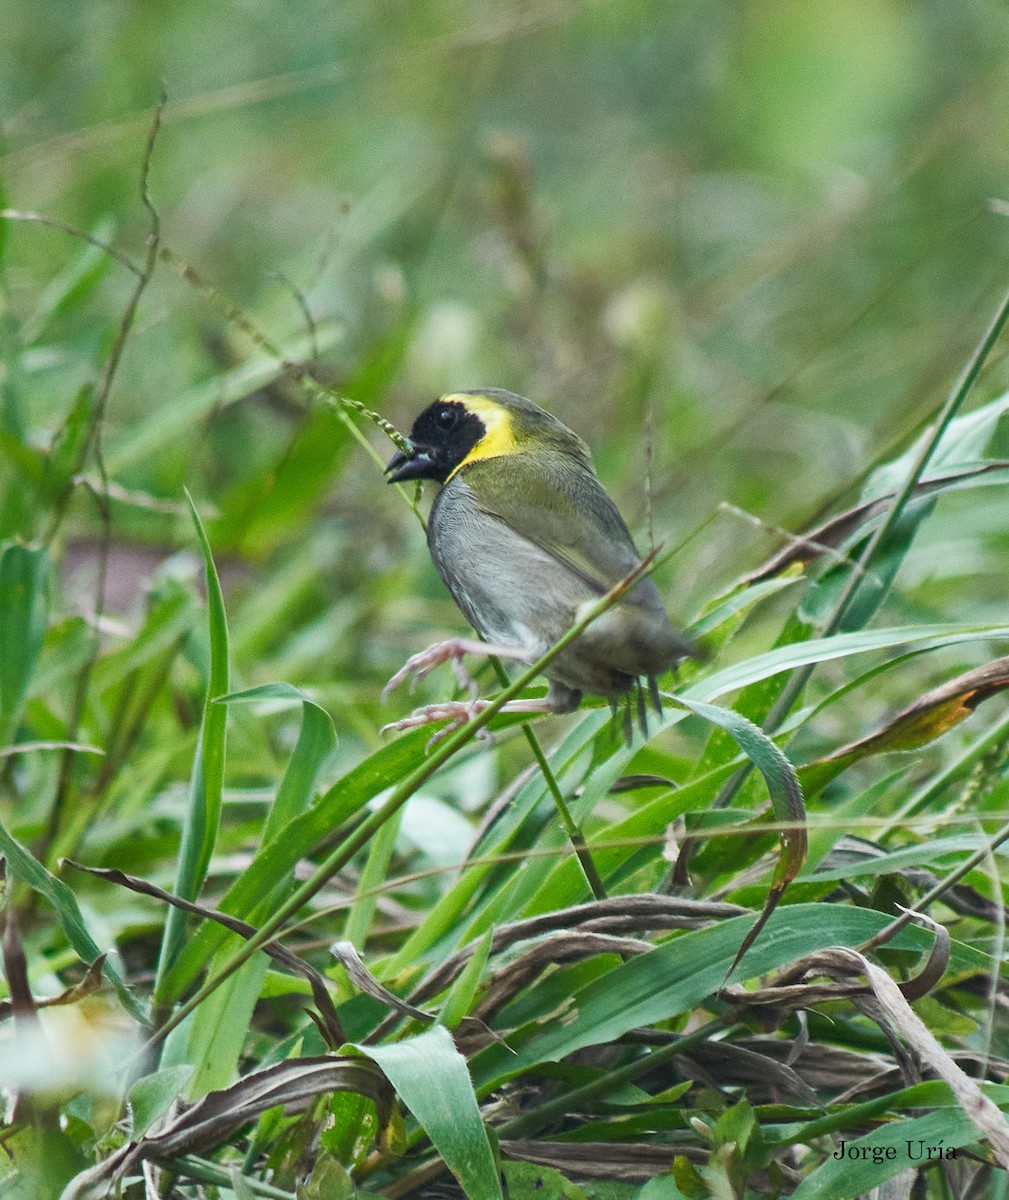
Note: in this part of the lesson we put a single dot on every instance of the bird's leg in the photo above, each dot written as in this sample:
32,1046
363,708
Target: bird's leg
656,695
623,706
425,661
642,709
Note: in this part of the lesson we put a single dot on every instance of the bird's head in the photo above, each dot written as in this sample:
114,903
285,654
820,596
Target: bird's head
465,427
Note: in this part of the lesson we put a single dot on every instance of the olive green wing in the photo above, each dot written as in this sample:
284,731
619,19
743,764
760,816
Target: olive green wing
561,506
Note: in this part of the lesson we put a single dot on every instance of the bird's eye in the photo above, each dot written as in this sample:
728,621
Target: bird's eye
446,418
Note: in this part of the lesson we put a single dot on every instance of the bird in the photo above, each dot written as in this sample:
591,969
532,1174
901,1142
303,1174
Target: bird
526,538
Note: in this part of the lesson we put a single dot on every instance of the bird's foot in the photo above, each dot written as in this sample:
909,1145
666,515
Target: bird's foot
455,712
424,662
458,712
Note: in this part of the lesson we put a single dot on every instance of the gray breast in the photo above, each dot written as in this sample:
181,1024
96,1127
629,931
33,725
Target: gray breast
498,577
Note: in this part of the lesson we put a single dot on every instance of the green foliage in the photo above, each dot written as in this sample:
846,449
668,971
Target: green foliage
203,808
24,612
430,1076
744,251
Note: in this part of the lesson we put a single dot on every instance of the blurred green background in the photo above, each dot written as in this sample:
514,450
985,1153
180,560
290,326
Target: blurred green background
744,249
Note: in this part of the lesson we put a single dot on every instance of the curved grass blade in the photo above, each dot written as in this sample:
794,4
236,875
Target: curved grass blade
431,1078
316,741
754,701
928,717
215,1118
786,800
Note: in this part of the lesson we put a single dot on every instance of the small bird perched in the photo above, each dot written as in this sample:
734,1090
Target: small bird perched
525,538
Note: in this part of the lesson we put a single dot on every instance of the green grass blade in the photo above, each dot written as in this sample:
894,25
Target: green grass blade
800,654
152,1095
753,701
375,871
215,1039
963,441
279,499
172,612
463,991
71,286
506,835
25,574
786,800
646,824
316,741
203,814
431,1078
824,594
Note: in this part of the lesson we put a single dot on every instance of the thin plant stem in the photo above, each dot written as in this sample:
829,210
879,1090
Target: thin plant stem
568,823
958,395
93,443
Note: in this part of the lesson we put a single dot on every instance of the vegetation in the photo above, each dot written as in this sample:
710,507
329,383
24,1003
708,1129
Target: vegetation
253,946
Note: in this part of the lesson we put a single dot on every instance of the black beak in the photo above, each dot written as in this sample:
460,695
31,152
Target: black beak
415,465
